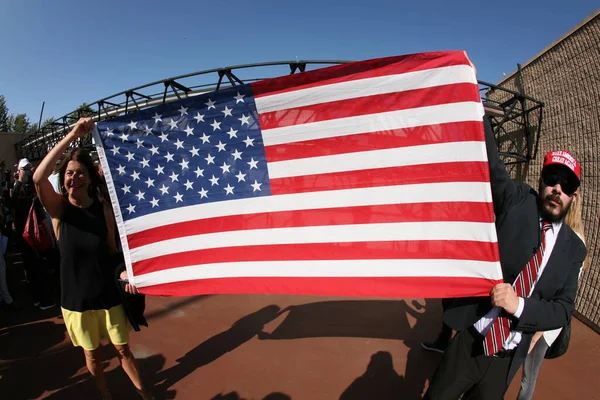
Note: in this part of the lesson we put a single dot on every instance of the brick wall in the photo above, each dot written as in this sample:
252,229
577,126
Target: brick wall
566,77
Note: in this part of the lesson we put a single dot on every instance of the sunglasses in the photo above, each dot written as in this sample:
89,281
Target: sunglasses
567,185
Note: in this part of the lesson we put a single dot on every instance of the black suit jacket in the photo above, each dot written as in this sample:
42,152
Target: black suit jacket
517,224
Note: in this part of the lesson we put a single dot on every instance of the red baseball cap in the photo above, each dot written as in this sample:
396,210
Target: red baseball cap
564,158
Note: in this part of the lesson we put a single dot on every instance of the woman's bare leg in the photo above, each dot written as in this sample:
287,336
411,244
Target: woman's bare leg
93,361
129,364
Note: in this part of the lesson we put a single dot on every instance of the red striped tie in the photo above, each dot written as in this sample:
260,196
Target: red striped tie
497,335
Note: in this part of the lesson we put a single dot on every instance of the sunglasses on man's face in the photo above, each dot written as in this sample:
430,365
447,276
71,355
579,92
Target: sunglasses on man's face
567,185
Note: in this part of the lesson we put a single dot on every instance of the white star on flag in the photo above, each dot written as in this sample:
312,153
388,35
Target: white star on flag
214,180
232,133
249,141
210,104
225,167
220,146
237,155
239,98
241,177
194,151
227,111
253,163
256,186
245,120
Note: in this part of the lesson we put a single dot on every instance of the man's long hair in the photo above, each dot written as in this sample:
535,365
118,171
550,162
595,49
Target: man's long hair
574,218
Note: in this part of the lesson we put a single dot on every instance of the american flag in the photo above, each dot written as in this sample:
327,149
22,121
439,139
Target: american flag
367,178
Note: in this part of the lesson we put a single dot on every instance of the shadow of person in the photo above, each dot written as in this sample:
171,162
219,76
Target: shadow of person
228,396
236,396
277,396
52,370
28,341
382,319
210,350
380,381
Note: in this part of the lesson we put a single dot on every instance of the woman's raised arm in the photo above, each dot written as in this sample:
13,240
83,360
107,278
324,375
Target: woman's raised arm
50,199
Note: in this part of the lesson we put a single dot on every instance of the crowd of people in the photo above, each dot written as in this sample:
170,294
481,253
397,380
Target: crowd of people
524,320
17,198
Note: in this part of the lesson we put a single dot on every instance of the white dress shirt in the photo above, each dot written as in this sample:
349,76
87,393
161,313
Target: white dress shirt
486,322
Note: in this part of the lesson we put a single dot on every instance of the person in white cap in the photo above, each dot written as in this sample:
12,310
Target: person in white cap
23,194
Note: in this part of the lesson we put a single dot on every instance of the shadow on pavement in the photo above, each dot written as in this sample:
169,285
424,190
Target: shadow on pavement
380,381
241,331
235,396
117,381
383,319
410,322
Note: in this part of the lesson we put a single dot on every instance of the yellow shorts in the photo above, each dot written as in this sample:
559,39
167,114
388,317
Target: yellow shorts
88,327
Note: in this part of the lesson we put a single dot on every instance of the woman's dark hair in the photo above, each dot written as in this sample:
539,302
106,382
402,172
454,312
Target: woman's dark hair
82,156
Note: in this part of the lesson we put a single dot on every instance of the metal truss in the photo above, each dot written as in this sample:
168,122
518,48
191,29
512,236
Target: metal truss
515,118
510,115
37,145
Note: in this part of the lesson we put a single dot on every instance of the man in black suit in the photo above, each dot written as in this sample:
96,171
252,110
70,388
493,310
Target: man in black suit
535,246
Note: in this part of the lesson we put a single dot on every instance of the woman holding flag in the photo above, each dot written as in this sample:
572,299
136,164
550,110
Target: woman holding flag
84,226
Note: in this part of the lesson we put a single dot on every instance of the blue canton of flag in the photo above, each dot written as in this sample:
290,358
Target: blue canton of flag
202,149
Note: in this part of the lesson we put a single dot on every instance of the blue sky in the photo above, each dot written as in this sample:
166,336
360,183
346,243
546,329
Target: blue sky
66,52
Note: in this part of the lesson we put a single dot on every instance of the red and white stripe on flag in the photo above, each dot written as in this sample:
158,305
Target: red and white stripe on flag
379,187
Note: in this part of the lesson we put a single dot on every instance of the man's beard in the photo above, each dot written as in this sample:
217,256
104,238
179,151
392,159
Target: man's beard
546,214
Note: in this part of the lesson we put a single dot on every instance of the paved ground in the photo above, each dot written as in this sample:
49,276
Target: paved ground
268,347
